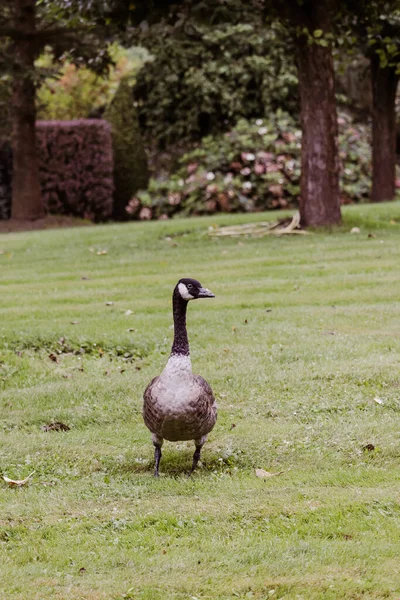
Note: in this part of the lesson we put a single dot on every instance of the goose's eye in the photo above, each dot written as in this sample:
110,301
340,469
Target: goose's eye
189,286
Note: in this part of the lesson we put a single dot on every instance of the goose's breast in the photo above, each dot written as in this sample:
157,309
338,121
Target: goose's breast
179,409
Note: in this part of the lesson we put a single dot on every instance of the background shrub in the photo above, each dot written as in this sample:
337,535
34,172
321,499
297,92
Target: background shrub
130,161
76,167
254,167
204,78
76,92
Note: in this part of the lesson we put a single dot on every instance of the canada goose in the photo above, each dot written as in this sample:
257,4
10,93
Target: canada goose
177,404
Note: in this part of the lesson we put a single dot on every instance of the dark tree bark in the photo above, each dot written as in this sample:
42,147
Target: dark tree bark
26,196
319,184
384,87
308,22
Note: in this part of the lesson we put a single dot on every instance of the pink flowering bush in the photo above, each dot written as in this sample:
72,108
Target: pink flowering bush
254,167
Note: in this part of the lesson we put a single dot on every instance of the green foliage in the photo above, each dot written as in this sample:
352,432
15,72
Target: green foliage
372,26
383,33
74,92
73,29
130,161
209,72
254,167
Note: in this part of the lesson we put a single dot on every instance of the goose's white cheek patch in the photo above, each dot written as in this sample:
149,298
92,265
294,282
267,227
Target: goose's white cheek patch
184,292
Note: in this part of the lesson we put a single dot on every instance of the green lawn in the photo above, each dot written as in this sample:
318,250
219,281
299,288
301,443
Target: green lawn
302,348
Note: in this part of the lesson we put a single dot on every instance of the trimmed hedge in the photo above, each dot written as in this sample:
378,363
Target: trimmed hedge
76,167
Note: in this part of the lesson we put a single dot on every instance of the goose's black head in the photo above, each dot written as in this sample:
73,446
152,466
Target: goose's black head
191,289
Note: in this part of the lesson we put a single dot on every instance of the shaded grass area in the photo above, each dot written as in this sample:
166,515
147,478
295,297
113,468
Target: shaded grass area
301,346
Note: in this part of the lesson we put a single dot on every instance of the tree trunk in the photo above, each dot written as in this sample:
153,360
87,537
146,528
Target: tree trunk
319,184
26,196
384,86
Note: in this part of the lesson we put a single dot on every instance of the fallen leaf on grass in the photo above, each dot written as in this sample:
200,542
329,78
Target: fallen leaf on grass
262,474
378,400
55,426
17,482
109,303
74,322
98,251
128,312
369,448
53,357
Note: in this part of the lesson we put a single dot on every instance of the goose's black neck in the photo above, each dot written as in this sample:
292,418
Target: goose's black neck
181,342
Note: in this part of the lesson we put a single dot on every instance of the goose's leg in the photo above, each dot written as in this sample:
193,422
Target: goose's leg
157,458
196,456
157,442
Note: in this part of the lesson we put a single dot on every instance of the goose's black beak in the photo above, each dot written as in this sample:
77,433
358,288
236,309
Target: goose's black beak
205,293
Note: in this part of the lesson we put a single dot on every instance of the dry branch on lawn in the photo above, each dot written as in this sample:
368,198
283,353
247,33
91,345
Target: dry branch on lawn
281,227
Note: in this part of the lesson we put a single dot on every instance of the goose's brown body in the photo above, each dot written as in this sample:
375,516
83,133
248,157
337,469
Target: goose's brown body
179,405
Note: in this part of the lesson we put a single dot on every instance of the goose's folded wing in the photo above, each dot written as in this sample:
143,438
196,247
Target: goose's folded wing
206,389
147,395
